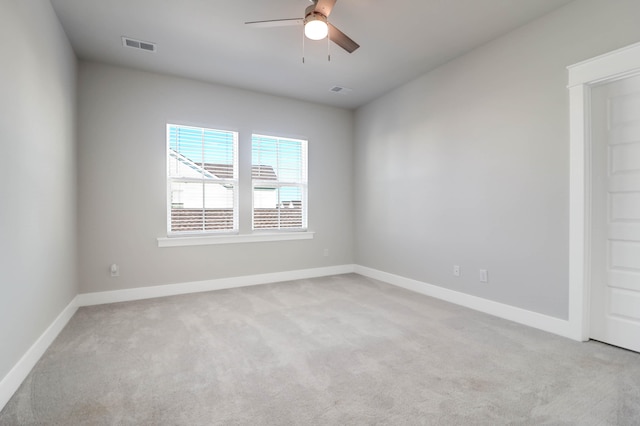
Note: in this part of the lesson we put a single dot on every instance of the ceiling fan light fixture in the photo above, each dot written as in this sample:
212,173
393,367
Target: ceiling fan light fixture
315,26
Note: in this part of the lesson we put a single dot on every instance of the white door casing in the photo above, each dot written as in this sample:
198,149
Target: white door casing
615,213
583,78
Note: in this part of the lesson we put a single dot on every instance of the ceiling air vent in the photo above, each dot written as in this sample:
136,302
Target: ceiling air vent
340,89
138,44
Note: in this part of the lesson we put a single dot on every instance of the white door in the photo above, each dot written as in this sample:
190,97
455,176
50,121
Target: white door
615,210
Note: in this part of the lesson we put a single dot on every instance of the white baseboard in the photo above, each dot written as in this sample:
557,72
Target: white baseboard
522,316
12,381
99,298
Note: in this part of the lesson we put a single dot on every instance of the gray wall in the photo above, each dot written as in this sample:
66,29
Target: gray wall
122,183
469,164
38,181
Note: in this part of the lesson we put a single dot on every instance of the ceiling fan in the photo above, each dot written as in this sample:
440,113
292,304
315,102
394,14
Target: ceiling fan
316,24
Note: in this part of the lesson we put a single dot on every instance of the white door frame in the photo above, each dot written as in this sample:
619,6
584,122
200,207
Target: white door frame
621,63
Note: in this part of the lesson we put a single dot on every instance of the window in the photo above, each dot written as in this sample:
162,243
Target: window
204,193
279,180
202,180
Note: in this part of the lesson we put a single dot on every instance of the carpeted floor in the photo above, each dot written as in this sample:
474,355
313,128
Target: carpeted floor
342,350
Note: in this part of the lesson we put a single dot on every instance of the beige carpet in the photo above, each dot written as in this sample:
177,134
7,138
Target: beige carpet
343,350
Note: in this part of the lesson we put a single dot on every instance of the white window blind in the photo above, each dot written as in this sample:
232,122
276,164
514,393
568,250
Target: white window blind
279,177
202,180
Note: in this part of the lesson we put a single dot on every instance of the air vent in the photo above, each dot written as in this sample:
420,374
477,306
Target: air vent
340,89
138,44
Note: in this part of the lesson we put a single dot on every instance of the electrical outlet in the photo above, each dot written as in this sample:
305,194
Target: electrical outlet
114,270
456,270
325,252
484,276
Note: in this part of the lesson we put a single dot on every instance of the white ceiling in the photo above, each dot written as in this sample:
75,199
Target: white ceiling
207,40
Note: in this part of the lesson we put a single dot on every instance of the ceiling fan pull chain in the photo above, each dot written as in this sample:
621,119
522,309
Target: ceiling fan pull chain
303,44
328,43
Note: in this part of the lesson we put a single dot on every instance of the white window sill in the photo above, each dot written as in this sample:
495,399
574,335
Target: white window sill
233,239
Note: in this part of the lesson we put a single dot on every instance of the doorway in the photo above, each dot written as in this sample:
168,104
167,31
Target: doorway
605,198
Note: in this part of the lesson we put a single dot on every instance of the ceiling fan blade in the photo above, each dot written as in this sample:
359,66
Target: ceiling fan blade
324,6
341,39
276,23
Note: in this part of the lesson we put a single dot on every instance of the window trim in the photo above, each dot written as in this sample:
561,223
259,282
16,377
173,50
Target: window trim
237,235
256,237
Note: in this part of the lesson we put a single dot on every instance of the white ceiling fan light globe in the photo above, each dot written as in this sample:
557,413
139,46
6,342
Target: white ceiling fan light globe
316,29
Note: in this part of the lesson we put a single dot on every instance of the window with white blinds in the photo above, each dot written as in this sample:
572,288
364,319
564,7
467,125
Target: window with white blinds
202,180
279,178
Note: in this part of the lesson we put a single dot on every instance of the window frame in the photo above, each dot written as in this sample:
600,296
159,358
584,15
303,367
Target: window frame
235,182
243,196
277,184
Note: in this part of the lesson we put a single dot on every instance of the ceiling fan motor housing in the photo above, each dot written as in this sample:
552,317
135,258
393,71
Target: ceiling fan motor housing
311,15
